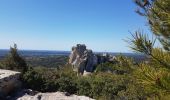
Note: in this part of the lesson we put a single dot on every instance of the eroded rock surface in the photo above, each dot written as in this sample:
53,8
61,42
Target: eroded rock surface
9,81
84,60
52,96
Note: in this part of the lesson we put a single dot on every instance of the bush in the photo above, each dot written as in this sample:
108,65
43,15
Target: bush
41,79
84,86
50,80
107,85
67,84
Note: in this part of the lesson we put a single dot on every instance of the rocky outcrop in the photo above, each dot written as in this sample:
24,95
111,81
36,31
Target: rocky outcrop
52,96
9,81
84,60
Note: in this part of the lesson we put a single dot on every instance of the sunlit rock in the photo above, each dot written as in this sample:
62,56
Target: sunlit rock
84,60
52,96
9,81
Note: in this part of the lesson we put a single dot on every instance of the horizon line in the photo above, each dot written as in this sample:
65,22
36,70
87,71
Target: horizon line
66,50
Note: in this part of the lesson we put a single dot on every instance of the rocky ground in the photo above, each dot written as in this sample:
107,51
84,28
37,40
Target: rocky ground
33,95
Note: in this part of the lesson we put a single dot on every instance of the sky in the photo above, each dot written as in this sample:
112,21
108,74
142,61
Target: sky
102,25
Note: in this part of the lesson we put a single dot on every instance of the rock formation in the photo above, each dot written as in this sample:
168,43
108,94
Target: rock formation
52,96
84,60
9,81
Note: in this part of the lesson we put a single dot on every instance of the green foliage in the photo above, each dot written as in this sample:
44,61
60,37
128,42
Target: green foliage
67,80
125,63
154,76
158,16
160,58
84,86
67,84
141,43
106,85
14,61
41,79
50,80
155,81
121,65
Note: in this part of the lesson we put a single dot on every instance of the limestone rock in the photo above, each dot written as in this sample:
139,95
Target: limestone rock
82,59
9,81
52,96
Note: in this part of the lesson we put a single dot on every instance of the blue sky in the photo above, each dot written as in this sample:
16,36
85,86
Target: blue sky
59,24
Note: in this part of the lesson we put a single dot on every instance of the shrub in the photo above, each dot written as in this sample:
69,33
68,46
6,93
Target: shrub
106,85
51,80
84,86
67,84
41,79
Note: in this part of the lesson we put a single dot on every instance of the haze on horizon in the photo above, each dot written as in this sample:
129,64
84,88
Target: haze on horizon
60,24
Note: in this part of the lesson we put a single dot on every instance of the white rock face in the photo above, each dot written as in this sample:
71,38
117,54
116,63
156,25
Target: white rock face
82,59
9,80
53,96
8,73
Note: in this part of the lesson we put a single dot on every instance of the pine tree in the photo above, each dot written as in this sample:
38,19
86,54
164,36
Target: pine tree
154,76
157,13
13,61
